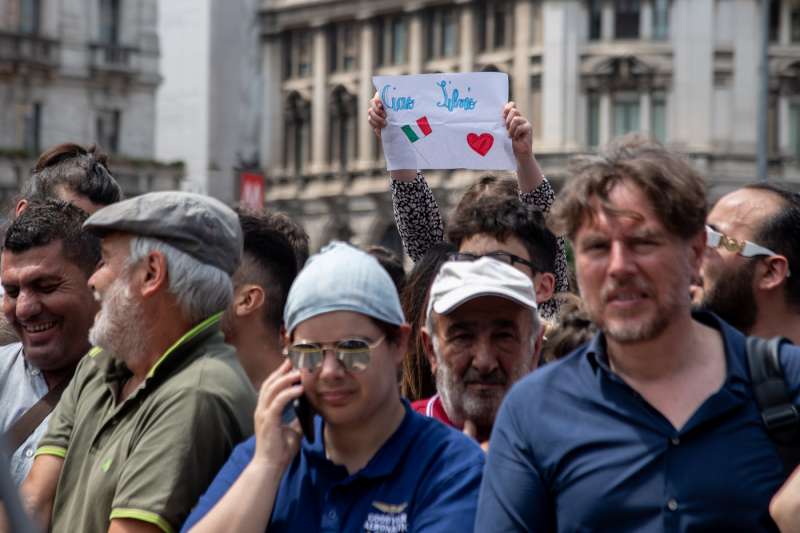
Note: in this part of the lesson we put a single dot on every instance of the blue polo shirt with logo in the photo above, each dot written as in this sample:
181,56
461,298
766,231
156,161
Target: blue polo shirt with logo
426,477
574,448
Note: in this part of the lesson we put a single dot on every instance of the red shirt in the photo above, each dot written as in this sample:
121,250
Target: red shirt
432,407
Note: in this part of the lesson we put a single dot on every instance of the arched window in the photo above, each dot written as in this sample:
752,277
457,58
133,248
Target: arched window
342,139
296,133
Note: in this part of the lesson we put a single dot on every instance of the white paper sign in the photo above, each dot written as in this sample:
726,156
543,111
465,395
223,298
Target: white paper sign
438,121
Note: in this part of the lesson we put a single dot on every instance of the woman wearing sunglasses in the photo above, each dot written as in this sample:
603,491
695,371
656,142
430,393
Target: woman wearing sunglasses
370,462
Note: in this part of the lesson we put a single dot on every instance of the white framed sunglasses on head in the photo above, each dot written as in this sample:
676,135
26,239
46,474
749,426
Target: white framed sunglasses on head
715,239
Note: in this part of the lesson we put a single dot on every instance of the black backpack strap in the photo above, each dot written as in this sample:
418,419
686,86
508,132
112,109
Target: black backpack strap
781,417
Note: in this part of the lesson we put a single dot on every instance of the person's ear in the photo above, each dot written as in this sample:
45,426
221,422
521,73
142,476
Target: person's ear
427,344
21,206
545,286
402,343
247,299
774,272
154,273
697,252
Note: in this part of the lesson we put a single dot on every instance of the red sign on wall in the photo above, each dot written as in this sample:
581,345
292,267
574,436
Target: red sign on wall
251,190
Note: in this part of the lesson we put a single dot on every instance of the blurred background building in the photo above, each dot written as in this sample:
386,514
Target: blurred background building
84,71
583,71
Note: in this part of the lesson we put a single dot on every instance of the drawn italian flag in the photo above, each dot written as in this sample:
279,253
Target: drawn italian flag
417,130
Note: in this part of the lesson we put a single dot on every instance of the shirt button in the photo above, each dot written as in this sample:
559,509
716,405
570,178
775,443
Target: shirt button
35,372
28,453
675,440
332,515
672,504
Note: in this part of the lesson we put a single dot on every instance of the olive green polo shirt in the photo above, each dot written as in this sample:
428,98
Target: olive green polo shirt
151,456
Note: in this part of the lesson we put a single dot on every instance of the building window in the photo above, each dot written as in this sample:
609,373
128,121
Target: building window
794,26
626,114
774,20
108,129
296,134
495,24
342,140
794,129
109,21
593,122
658,117
32,128
660,19
626,19
343,48
297,54
392,40
441,32
595,20
30,16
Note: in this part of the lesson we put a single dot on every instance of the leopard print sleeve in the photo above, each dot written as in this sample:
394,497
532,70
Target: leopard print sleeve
542,198
417,216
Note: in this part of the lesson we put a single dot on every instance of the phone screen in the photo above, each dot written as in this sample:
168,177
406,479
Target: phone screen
300,409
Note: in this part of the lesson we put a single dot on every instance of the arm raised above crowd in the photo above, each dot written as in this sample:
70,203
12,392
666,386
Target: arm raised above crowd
247,505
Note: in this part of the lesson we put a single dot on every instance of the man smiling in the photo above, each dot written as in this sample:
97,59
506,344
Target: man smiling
46,262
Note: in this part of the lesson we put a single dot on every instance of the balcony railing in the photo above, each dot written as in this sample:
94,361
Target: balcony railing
21,50
113,57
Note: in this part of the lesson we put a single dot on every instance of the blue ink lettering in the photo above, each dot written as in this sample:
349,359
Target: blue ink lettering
454,101
396,103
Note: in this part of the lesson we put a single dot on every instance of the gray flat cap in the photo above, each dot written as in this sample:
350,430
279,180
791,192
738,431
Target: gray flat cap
198,225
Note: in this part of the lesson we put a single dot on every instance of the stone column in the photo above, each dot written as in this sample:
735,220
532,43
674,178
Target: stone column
562,21
605,125
785,30
746,46
319,101
646,20
271,137
645,107
366,138
692,28
466,45
521,67
607,24
784,115
416,47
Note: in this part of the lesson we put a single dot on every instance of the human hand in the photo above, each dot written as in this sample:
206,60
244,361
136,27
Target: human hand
520,131
277,443
377,115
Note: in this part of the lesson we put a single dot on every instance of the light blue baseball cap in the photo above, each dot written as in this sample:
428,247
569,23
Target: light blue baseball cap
342,278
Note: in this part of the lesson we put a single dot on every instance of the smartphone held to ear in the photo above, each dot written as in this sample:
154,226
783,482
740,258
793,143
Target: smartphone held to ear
300,409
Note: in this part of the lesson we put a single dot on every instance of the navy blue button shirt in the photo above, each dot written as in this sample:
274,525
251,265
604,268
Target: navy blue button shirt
574,448
426,477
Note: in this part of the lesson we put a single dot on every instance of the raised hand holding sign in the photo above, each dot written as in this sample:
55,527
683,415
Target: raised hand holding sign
444,121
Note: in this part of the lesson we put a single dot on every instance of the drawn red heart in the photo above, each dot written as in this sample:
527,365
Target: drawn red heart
480,143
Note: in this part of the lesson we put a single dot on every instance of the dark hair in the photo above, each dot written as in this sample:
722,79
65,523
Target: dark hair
81,170
676,191
295,233
781,233
55,220
269,261
503,217
391,331
572,329
391,263
418,379
488,186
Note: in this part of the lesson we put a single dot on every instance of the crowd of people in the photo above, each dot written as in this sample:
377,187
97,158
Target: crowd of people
173,364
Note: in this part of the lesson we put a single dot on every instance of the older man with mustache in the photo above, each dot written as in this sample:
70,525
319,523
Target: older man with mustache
483,334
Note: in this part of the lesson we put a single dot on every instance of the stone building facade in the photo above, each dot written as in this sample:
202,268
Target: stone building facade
84,71
583,71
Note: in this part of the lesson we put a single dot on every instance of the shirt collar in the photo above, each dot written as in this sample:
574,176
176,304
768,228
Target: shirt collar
733,342
116,370
388,457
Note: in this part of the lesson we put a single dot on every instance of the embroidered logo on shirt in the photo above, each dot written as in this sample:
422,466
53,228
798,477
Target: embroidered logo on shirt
106,464
391,519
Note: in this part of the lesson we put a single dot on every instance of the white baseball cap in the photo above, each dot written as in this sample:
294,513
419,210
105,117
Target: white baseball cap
460,281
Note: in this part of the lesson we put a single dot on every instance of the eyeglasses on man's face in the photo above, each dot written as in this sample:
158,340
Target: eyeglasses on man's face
505,257
353,354
715,239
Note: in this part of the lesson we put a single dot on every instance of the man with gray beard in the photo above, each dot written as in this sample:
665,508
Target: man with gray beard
482,334
154,411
